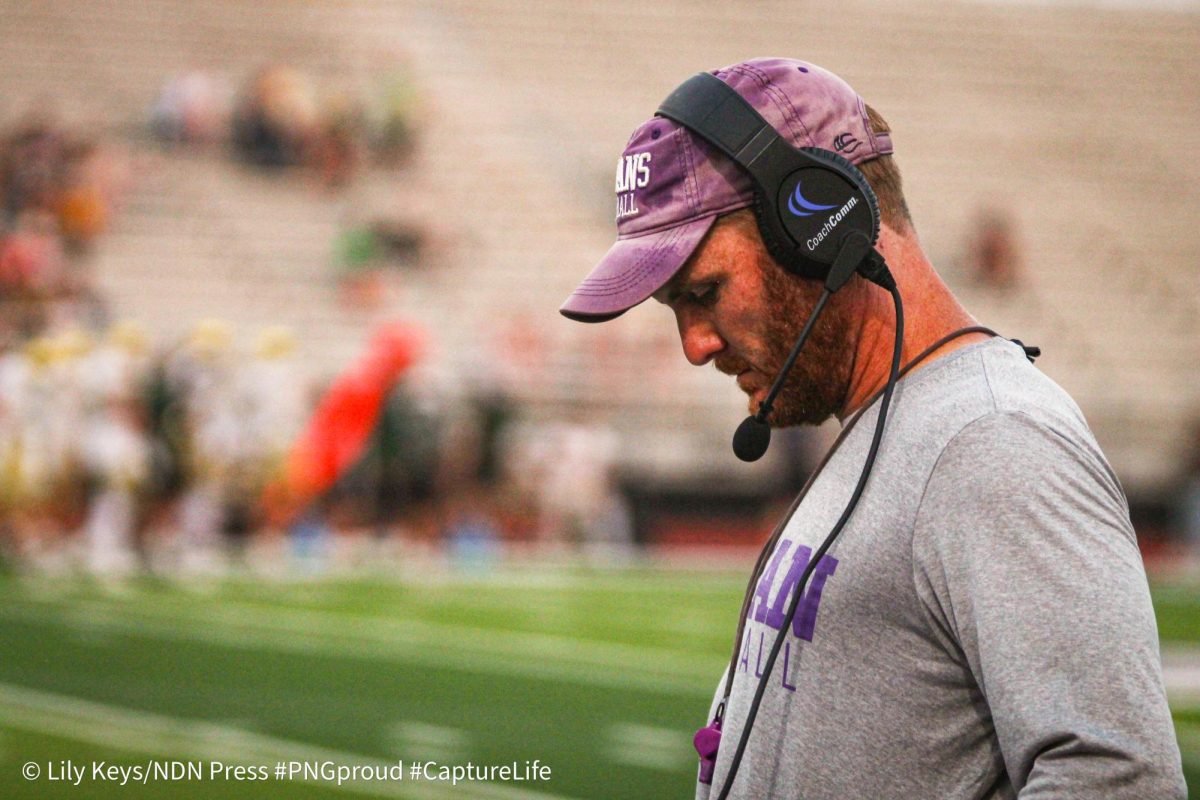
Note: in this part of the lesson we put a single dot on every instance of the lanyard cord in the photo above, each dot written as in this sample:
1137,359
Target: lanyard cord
769,547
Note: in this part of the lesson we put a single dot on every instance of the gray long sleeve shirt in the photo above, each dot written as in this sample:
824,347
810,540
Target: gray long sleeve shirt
981,629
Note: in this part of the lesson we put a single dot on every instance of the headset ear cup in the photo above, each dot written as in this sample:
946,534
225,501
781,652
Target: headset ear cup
781,248
855,176
777,240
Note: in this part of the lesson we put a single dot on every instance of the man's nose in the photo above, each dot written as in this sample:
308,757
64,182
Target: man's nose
701,342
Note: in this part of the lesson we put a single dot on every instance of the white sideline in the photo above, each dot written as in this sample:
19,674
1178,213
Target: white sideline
1181,673
649,747
521,654
471,649
407,629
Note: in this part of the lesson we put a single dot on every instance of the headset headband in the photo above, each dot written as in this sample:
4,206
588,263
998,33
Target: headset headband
716,112
807,200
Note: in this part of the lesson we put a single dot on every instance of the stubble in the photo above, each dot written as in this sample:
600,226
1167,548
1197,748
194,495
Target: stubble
818,383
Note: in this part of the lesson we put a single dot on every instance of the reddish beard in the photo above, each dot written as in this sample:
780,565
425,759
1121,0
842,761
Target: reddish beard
818,383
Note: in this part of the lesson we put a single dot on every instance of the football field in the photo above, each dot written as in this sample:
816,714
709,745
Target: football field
601,676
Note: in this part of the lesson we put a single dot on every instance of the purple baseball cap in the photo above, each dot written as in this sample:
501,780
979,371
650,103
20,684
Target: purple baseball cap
671,185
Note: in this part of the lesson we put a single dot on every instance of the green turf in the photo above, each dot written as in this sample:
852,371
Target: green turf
1177,608
603,676
555,671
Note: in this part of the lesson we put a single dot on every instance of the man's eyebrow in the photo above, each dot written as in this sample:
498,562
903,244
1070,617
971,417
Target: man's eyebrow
679,286
673,289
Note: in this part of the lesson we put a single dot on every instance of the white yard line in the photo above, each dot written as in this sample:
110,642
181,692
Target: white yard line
475,650
420,740
649,747
675,624
545,592
546,656
169,737
403,627
1181,673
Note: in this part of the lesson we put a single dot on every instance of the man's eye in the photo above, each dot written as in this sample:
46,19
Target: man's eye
705,293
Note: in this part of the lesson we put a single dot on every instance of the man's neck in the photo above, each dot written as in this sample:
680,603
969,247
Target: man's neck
931,312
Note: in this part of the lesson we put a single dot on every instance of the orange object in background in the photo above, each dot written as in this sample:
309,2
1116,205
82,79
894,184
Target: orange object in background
82,213
338,431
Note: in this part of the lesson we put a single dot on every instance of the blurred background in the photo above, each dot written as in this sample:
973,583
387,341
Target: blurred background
299,461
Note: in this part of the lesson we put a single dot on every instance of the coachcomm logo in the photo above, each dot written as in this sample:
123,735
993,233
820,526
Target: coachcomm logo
802,207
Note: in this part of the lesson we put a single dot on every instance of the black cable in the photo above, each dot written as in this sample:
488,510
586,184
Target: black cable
768,402
893,377
769,546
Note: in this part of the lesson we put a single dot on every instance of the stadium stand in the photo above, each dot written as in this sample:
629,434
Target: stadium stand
1076,121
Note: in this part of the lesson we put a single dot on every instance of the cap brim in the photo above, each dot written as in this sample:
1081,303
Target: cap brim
633,269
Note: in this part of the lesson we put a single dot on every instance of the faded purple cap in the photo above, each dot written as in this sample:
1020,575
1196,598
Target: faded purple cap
671,185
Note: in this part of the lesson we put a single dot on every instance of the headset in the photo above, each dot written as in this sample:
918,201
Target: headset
819,219
817,215
794,188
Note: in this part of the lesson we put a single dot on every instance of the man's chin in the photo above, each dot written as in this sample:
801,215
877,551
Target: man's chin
786,411
786,416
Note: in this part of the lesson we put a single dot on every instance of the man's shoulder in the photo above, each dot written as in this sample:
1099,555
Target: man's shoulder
1017,386
988,409
987,389
1025,456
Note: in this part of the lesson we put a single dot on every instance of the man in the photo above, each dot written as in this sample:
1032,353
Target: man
982,627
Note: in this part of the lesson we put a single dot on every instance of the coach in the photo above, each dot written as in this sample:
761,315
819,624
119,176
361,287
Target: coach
982,626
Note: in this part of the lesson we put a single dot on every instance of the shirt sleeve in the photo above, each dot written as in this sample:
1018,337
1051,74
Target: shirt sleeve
1025,557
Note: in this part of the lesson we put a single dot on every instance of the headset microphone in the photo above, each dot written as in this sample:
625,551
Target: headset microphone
753,436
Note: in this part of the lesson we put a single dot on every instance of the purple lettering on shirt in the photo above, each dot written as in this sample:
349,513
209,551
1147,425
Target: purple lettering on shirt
806,614
762,595
758,659
787,665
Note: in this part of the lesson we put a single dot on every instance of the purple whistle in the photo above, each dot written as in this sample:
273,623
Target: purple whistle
707,742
